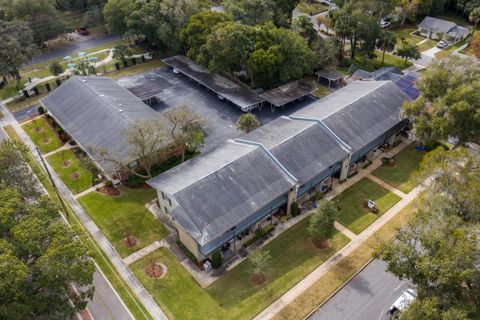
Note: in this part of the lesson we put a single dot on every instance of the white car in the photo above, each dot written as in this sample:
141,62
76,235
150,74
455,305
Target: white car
443,44
384,23
403,302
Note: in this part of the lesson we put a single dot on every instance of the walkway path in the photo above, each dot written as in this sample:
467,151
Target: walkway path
92,228
344,230
304,284
91,189
64,147
386,186
144,252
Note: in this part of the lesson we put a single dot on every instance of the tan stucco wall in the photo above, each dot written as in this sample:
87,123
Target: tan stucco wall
188,242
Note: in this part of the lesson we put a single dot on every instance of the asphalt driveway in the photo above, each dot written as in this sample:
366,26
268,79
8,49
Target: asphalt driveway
368,296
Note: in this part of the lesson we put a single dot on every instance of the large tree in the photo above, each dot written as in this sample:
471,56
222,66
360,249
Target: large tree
386,41
17,46
117,13
40,259
41,16
194,34
14,172
186,129
304,27
408,51
449,105
251,12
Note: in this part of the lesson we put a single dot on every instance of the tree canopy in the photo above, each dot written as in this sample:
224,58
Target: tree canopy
321,226
40,258
450,102
247,122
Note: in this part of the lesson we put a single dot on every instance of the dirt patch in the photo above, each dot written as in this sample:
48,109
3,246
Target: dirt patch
111,191
45,141
155,270
38,129
75,175
130,241
258,278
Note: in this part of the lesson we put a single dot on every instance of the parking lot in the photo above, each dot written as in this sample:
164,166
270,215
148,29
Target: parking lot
368,296
177,90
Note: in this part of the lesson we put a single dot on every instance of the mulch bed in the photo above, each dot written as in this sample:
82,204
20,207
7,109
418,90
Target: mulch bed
46,141
38,129
154,270
321,244
111,191
75,175
258,278
66,163
130,241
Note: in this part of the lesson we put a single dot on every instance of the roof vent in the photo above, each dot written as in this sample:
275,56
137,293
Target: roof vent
120,110
102,95
84,80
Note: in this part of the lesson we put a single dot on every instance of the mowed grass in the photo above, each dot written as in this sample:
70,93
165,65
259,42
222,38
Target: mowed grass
320,290
353,214
402,174
311,7
42,135
76,177
126,213
234,296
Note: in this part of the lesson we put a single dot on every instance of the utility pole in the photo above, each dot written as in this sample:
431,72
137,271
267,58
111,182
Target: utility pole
53,183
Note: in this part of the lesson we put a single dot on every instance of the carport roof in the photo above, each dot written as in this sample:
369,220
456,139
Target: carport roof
224,186
240,95
360,112
304,148
95,111
288,93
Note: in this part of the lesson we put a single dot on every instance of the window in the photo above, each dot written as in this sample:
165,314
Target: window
166,210
169,202
163,195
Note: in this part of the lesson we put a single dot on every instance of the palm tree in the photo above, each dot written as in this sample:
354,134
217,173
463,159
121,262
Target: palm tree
386,41
247,122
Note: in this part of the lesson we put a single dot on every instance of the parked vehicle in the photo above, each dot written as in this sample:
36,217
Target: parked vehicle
83,31
402,303
384,23
443,44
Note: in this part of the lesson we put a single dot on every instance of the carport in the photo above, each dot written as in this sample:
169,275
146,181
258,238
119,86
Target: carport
331,76
239,95
290,92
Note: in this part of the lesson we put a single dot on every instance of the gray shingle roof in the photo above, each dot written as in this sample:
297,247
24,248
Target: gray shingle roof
304,148
436,25
240,95
223,187
360,112
95,111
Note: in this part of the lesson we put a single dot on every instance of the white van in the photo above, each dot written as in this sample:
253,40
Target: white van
403,302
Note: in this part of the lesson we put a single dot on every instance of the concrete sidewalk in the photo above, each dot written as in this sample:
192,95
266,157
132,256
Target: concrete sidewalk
107,247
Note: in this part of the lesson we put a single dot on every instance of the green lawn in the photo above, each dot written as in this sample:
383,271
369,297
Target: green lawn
426,45
136,69
115,215
402,174
76,177
42,135
311,7
234,296
392,61
352,214
405,34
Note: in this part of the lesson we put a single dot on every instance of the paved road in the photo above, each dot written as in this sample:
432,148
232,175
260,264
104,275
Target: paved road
105,303
83,44
368,296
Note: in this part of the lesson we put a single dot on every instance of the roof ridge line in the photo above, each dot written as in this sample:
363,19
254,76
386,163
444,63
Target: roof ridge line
271,156
291,136
329,131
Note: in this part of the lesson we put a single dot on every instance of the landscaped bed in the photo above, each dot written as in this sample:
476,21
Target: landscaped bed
353,211
42,135
125,215
401,173
311,7
75,176
234,296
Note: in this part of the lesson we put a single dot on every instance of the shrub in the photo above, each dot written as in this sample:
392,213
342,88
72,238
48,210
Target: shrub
216,259
108,183
41,110
134,181
294,209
